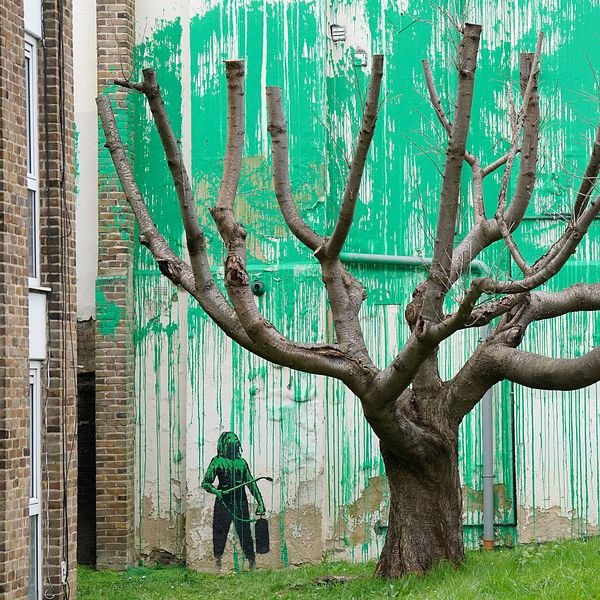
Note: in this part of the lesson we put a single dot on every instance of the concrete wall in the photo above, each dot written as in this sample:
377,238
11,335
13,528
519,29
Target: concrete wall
329,494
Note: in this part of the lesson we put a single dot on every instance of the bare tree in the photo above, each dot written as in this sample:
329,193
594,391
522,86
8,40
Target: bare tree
414,413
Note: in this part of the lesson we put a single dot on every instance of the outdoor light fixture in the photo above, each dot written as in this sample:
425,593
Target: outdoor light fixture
360,57
338,33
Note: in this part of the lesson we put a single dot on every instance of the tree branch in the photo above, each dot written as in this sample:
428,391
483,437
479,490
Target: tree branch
531,129
487,232
180,273
560,252
434,98
334,245
540,372
529,120
195,239
473,380
323,359
549,305
281,172
439,274
472,160
589,177
527,94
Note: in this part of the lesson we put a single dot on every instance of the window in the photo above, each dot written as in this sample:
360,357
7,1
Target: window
35,525
33,186
34,589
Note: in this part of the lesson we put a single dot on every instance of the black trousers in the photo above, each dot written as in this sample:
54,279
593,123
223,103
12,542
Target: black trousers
233,507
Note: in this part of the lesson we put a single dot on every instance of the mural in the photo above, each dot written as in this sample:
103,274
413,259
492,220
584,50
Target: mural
329,495
231,503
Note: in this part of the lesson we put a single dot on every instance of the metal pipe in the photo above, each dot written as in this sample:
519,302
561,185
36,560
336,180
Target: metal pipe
487,406
401,261
487,443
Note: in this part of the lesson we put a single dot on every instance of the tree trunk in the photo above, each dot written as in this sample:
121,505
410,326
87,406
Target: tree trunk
425,514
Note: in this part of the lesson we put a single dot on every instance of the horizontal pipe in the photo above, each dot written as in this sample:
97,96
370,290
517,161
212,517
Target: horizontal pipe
401,261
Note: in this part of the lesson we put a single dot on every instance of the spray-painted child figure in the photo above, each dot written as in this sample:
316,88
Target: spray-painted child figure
232,471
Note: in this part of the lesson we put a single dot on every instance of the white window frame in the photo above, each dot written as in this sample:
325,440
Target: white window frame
33,173
35,463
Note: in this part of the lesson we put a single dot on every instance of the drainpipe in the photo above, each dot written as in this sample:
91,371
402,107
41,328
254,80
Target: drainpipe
487,443
487,407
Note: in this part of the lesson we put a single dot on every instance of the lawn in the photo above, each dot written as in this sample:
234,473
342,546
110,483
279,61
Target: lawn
555,571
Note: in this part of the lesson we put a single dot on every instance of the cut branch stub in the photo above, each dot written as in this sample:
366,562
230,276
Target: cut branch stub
234,71
335,243
235,273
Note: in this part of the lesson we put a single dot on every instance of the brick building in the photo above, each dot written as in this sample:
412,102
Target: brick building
38,450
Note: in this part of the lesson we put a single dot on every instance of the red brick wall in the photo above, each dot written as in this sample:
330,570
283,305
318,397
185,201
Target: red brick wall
14,332
114,340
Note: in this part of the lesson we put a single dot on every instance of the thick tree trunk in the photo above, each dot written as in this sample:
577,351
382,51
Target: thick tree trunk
425,518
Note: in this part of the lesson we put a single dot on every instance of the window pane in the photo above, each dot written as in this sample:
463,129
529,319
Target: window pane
30,108
34,424
32,490
33,589
33,235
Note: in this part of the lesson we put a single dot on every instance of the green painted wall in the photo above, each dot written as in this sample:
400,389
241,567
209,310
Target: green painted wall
329,494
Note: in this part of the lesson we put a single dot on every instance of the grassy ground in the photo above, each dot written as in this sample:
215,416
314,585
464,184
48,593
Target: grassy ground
555,571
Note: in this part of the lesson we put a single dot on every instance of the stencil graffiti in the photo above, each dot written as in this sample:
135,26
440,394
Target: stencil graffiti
231,503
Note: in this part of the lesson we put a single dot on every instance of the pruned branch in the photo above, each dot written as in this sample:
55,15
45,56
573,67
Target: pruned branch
179,272
334,244
528,119
487,232
471,159
281,172
438,281
530,88
324,359
195,239
530,115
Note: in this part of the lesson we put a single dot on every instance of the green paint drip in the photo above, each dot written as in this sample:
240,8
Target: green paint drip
108,314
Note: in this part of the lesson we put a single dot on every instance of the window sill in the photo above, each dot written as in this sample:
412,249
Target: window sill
39,288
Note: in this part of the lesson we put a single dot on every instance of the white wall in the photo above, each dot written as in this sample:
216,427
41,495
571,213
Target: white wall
85,87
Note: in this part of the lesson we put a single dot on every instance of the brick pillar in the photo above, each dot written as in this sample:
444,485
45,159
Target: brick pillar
14,331
57,224
114,311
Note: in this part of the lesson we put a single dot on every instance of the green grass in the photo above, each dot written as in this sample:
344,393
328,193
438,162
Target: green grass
556,571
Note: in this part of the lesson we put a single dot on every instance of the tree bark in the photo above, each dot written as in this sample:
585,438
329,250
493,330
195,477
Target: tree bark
425,514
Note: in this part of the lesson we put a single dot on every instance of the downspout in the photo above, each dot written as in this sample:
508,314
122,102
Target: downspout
487,407
487,443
